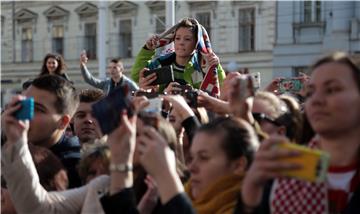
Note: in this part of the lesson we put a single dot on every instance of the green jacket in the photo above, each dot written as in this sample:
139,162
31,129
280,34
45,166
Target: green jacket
190,75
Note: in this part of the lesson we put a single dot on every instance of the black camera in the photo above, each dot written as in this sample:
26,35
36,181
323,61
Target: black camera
191,97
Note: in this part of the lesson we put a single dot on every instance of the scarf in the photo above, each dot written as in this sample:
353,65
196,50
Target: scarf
210,82
220,197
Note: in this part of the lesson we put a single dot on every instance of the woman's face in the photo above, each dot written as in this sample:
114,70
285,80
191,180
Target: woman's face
208,162
184,42
51,65
333,101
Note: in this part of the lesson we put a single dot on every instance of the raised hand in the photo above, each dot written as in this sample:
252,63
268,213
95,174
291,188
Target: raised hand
226,85
83,58
273,86
150,198
241,98
160,162
122,140
14,129
145,82
140,103
179,103
173,88
155,154
266,165
212,59
152,42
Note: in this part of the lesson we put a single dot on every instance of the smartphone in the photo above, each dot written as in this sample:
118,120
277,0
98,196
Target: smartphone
26,111
256,80
107,111
246,87
290,85
164,75
155,105
315,163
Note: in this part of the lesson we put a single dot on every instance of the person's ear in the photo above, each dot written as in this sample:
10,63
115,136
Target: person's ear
64,121
239,166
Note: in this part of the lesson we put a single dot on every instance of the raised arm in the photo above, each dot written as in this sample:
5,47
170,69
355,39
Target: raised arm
20,173
88,77
144,56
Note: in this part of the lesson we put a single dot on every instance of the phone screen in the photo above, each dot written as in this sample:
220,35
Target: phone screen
290,85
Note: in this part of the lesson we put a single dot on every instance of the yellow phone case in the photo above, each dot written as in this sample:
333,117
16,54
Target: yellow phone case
315,163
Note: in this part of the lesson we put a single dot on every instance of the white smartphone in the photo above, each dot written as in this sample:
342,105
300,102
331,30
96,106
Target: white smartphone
256,80
155,105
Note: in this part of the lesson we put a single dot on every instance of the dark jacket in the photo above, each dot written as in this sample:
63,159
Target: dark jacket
68,151
124,202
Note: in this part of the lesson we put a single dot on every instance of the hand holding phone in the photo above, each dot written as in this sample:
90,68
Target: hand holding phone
26,111
83,57
164,75
244,85
314,163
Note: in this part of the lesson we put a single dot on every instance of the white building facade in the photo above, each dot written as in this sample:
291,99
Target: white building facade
309,29
241,31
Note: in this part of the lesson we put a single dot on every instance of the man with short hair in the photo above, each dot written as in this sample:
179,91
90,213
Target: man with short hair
117,78
86,127
55,103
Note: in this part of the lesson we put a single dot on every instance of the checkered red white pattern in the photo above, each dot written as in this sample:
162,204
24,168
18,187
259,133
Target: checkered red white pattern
295,196
299,197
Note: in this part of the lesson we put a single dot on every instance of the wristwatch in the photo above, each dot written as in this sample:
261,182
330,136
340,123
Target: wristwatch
121,167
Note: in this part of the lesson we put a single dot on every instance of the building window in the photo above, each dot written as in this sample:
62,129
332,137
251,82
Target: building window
160,24
312,11
204,19
90,40
2,25
27,45
58,39
125,38
318,11
246,29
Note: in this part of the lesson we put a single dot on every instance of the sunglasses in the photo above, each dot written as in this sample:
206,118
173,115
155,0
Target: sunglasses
259,117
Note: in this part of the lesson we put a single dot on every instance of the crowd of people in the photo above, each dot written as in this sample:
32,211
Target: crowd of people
200,152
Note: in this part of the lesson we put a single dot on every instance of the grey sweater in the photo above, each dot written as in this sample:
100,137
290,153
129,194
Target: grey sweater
105,85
